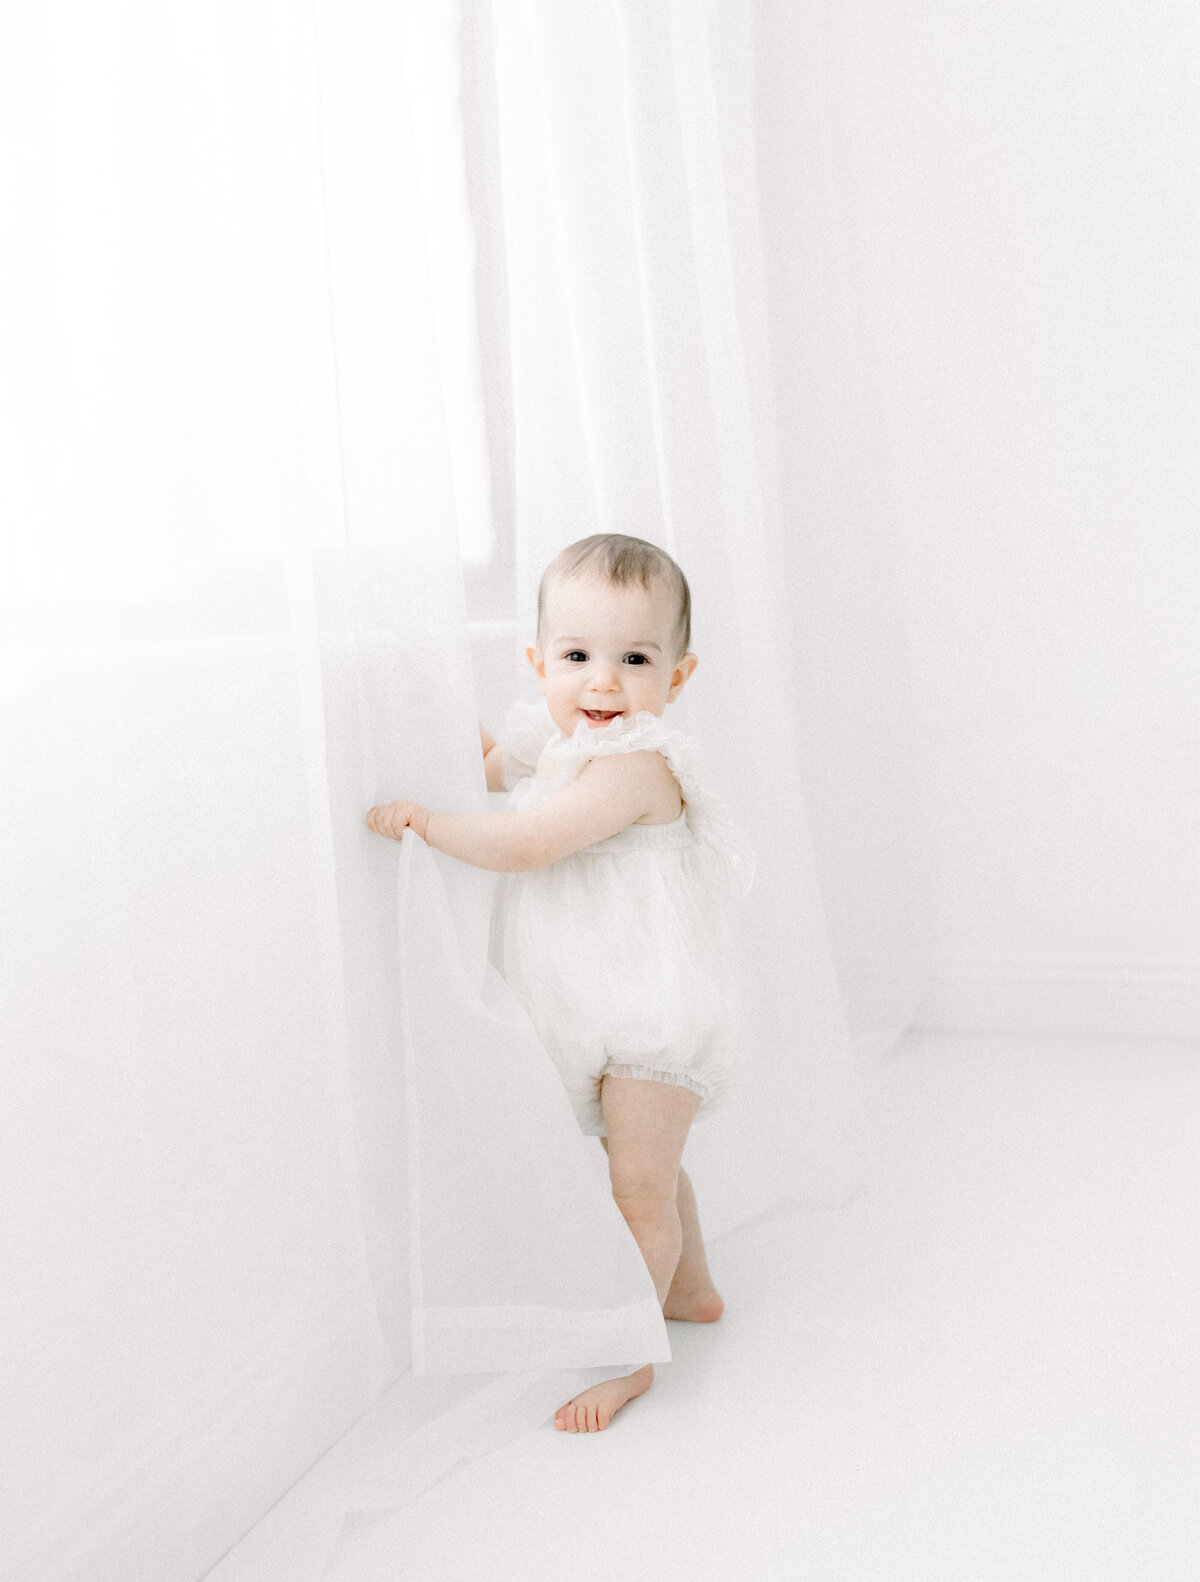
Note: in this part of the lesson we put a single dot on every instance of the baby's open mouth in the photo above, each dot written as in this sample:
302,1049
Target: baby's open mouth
602,716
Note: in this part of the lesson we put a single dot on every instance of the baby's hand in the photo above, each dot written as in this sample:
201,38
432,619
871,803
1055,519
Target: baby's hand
393,818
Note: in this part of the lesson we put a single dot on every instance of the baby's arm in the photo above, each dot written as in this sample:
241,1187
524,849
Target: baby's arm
606,796
492,764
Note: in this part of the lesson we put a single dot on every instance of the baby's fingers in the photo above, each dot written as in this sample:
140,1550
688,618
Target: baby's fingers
389,820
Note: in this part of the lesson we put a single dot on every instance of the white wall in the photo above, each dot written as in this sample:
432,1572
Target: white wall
1016,433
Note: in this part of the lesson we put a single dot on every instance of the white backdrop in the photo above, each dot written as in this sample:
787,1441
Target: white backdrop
236,436
983,240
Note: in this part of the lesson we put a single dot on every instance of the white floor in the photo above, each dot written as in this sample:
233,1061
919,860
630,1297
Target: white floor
986,1367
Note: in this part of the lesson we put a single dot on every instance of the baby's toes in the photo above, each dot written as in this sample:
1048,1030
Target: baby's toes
568,1417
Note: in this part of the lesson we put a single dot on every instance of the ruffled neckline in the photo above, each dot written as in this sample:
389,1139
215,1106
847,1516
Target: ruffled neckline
645,732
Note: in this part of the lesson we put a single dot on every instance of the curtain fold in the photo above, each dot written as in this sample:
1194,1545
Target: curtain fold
502,1273
521,1260
642,403
846,594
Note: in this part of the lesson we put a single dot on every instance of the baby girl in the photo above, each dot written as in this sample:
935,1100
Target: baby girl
618,866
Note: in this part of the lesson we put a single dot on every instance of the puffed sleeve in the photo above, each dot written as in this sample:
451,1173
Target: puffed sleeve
526,730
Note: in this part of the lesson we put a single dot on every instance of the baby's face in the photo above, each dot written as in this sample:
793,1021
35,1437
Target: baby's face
606,651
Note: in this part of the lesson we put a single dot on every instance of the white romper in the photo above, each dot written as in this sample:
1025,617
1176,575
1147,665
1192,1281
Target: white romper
621,952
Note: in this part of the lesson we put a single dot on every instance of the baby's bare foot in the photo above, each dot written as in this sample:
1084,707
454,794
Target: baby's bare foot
695,1307
596,1408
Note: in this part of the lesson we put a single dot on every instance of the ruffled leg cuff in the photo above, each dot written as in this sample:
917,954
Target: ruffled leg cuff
676,1079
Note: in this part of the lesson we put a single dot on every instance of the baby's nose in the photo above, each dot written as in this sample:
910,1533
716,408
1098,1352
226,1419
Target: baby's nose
604,679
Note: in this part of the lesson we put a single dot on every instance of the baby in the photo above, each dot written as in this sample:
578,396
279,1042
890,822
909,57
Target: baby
618,867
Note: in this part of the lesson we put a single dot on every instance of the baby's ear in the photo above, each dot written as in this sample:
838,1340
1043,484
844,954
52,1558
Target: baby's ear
680,675
534,655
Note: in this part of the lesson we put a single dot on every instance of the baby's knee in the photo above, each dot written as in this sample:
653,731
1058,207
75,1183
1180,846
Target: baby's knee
641,1192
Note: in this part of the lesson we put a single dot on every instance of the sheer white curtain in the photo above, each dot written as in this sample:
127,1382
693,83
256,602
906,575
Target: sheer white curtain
275,1133
263,1129
642,404
189,1317
640,387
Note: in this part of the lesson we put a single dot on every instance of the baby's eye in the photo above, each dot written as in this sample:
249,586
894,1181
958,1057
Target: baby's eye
576,653
636,659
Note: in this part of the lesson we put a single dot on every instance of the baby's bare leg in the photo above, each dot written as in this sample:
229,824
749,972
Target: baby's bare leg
692,1296
647,1124
647,1127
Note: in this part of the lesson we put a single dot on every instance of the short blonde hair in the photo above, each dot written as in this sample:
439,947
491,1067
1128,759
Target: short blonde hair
621,560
